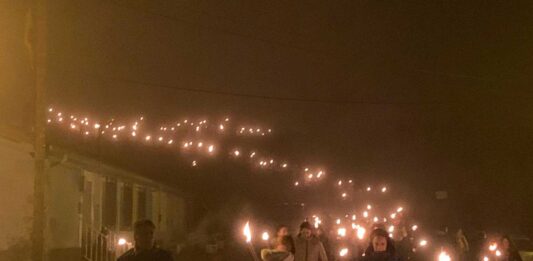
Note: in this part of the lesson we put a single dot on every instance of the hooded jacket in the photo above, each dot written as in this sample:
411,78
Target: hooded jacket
309,249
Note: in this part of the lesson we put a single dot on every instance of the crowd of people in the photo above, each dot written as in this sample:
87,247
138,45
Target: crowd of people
312,244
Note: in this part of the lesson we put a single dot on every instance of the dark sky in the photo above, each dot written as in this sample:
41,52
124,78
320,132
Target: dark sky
436,94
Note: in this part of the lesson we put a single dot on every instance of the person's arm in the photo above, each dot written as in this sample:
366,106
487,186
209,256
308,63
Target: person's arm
323,256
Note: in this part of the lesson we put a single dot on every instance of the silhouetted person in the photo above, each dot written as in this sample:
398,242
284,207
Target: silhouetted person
381,247
281,231
308,247
462,247
509,251
145,249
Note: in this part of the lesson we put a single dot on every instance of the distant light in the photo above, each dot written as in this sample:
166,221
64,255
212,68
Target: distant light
211,148
160,138
115,136
423,243
344,195
391,229
284,165
400,209
384,189
236,153
170,142
265,236
194,164
368,189
354,217
341,232
493,247
221,127
148,137
122,242
498,253
393,215
97,126
338,221
376,219
443,256
306,169
350,181
414,227
343,252
296,183
252,154
369,207
365,214
361,231
339,183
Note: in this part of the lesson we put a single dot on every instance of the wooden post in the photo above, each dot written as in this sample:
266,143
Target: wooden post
40,180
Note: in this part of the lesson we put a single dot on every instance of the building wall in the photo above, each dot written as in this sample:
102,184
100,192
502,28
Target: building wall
16,192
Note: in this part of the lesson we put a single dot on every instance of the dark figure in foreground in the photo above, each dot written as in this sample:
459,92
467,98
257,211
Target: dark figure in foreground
381,247
145,249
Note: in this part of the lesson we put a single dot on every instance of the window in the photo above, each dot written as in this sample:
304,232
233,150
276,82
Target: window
110,204
126,208
141,204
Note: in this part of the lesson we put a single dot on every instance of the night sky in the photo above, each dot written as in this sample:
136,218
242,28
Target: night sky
433,94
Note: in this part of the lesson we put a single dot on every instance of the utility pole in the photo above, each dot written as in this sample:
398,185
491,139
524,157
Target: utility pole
40,181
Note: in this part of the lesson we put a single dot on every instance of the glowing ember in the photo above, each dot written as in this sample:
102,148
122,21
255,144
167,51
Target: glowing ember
265,236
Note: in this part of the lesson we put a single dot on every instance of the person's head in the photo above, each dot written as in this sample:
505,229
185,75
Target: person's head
380,242
506,243
306,230
282,231
143,233
285,244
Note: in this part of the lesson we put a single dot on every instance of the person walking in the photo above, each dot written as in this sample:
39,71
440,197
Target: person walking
462,247
145,248
307,246
381,247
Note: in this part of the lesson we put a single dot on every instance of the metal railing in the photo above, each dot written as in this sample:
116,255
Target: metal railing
100,245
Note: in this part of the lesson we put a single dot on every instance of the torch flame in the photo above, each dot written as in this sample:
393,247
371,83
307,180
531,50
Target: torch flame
247,232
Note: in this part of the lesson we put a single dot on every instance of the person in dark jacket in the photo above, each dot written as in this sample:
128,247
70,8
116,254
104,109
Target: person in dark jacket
145,249
381,247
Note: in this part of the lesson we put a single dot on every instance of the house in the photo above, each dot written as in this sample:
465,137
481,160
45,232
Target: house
91,206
